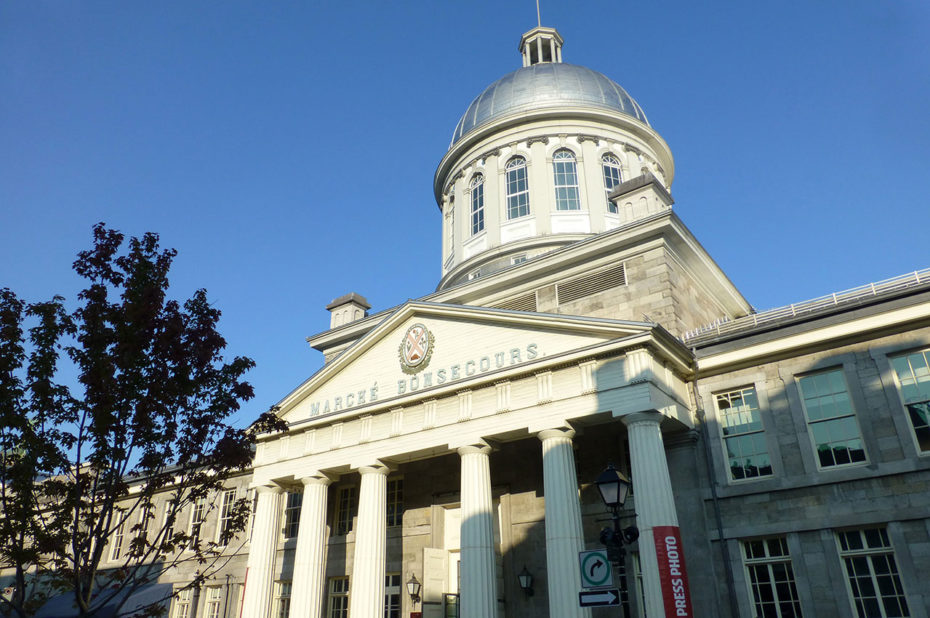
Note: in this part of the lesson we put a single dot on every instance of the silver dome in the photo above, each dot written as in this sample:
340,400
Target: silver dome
545,85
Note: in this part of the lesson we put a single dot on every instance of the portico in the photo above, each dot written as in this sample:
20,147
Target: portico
565,376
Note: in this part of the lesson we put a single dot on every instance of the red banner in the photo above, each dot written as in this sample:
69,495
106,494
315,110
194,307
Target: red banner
672,571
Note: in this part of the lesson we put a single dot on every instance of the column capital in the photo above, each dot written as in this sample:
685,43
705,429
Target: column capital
472,449
374,469
653,417
316,479
268,489
561,432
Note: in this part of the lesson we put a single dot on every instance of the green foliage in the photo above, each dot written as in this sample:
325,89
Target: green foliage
145,423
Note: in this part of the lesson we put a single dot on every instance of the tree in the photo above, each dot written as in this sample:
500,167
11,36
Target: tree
144,420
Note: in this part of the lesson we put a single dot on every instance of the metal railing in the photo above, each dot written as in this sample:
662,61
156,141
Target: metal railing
724,326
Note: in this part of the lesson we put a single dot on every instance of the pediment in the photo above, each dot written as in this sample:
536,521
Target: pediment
426,348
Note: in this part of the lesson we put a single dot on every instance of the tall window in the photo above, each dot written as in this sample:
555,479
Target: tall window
146,512
566,181
477,203
771,578
392,595
116,547
169,520
292,514
182,605
346,506
395,502
198,514
831,419
282,599
743,434
518,192
913,373
226,513
611,166
872,573
338,597
214,606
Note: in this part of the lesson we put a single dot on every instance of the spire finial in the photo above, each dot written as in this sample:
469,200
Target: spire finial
538,18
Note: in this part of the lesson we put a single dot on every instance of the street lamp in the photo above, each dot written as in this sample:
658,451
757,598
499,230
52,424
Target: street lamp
413,589
614,488
526,581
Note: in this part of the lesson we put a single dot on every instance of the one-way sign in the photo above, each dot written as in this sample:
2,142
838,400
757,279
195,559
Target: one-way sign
593,598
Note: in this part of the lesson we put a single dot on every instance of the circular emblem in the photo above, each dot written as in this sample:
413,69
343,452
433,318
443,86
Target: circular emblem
416,349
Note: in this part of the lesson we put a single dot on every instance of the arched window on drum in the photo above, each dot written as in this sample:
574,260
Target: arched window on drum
566,181
611,166
518,192
476,188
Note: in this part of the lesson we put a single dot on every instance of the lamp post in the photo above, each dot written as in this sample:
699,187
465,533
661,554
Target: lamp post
614,488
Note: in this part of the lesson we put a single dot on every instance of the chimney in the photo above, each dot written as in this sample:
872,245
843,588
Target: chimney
347,309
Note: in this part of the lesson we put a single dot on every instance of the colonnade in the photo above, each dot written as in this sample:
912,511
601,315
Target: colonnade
478,595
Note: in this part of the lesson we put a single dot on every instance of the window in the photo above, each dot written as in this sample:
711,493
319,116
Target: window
346,505
771,578
226,515
146,512
743,434
292,514
831,419
214,607
282,599
116,547
198,514
566,181
169,520
611,166
518,259
872,573
392,595
182,604
477,203
395,502
913,373
338,597
518,192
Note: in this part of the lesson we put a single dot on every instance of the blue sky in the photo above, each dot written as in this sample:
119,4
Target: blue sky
286,149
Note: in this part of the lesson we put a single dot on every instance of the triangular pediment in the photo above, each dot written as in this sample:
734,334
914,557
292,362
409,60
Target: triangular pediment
426,348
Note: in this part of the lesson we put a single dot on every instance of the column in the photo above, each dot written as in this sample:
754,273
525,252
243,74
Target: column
309,584
366,589
564,537
478,595
655,504
262,551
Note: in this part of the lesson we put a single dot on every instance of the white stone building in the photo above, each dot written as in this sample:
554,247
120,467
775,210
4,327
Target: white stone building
784,455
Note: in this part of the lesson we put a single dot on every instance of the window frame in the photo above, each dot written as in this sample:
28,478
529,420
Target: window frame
224,516
768,561
183,603
281,601
392,595
810,424
119,536
919,398
395,500
213,607
618,166
476,200
197,519
868,552
564,171
344,517
519,167
292,508
724,437
332,594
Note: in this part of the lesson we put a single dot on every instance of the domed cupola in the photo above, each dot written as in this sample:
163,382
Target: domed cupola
533,160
